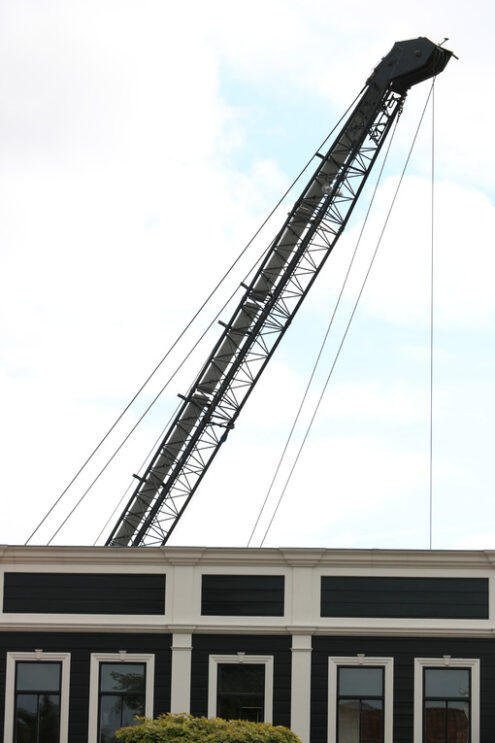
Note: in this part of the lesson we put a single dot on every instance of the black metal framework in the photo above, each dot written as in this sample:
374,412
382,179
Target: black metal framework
446,705
37,702
360,704
121,696
241,691
270,301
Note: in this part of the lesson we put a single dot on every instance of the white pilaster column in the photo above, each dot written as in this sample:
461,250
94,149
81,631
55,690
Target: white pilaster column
181,673
300,697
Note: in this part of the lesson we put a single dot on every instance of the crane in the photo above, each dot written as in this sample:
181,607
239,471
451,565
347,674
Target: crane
210,408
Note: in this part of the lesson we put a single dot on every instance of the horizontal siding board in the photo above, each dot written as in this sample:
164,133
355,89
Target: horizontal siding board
276,645
403,650
80,646
415,598
242,595
84,593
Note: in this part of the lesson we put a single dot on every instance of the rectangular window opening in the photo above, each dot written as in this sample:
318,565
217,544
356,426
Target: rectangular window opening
122,696
120,688
37,702
360,699
446,705
360,704
240,687
36,697
446,700
241,691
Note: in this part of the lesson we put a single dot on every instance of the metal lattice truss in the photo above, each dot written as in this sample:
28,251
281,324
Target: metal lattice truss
248,340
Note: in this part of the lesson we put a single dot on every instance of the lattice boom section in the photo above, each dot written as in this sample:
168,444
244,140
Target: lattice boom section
249,339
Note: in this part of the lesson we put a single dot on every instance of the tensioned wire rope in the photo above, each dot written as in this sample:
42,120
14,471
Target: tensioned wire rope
324,341
169,351
307,388
432,307
341,344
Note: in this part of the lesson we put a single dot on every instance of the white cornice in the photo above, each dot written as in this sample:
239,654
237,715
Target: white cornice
160,557
418,630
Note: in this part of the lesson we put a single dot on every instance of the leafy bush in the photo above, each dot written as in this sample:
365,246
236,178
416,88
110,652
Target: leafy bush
187,729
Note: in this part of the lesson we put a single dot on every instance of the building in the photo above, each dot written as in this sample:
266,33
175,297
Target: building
348,645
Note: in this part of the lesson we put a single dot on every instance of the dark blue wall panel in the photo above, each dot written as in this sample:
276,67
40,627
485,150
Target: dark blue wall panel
403,650
84,593
80,646
414,598
242,595
276,645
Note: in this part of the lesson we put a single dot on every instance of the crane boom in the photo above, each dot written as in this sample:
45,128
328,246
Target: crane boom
270,301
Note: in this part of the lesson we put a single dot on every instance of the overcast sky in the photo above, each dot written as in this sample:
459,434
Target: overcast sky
142,144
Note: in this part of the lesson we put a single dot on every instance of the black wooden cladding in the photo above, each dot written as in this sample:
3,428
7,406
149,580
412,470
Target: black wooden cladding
403,650
80,645
84,593
277,646
414,598
242,595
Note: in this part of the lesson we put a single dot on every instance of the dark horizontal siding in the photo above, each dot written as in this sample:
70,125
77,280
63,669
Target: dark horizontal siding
242,595
80,646
84,593
403,650
414,598
276,645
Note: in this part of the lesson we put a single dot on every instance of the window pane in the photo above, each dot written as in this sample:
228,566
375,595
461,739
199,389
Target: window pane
348,721
248,678
132,705
241,707
241,691
110,717
37,718
253,714
49,718
122,677
360,682
435,721
371,721
457,722
38,676
26,718
447,682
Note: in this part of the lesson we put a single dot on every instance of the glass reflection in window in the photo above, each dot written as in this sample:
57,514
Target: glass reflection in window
241,691
121,697
360,704
447,702
37,702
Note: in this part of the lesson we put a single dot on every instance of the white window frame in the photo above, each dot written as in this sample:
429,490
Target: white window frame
37,656
240,658
94,684
447,662
388,691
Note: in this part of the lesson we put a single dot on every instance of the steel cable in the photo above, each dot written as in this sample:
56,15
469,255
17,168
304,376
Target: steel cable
167,354
339,349
325,338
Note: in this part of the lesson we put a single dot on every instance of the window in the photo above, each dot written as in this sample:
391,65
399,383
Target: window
360,704
241,687
37,701
121,687
446,703
121,698
37,697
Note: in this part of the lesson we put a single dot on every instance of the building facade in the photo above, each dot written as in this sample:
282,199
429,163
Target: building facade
342,646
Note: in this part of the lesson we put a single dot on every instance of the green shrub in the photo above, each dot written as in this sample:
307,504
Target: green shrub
187,729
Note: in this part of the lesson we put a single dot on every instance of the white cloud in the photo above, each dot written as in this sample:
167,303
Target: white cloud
398,287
